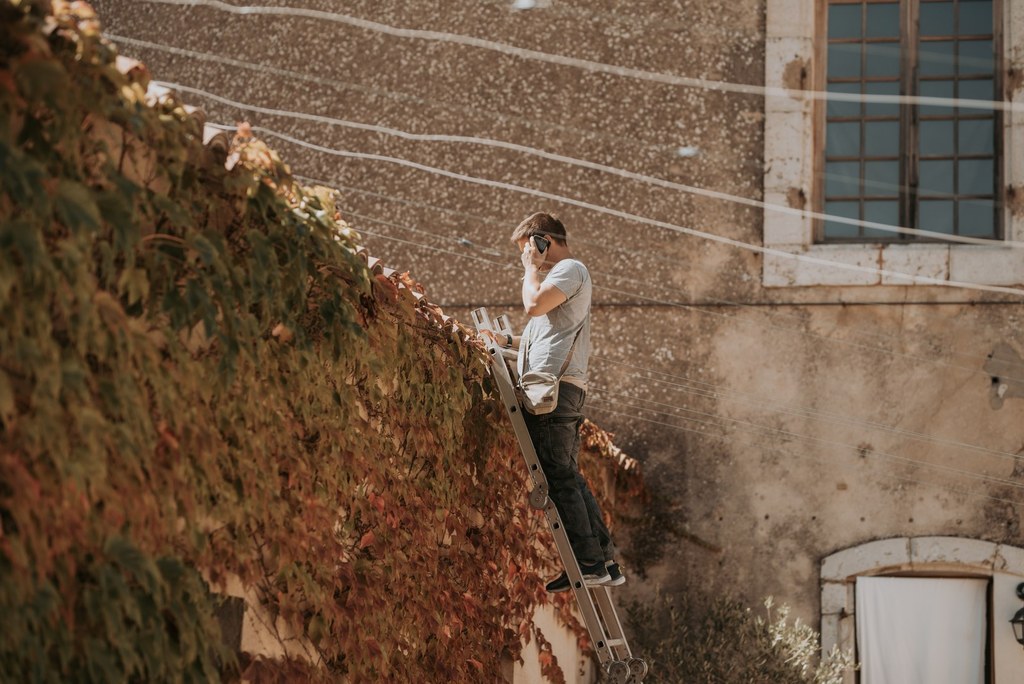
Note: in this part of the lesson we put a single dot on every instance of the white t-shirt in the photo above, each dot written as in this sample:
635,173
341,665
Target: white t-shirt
550,336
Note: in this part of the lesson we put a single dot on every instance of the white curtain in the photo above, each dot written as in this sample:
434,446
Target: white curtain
913,630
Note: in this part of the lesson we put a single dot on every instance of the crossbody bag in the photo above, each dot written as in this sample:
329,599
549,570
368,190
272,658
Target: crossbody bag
538,390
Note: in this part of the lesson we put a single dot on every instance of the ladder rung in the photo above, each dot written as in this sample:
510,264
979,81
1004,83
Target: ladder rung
612,643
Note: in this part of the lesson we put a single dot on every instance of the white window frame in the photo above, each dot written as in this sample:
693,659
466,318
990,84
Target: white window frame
791,149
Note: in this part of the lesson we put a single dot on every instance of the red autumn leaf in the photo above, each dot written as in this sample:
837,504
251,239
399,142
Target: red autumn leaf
367,540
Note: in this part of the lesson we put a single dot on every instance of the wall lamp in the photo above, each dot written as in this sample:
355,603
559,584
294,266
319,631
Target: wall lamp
1017,621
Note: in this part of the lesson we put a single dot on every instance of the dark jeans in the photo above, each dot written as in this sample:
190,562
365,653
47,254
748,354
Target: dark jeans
556,437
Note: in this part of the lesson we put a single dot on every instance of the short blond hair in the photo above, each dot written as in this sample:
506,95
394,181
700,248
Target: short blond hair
540,223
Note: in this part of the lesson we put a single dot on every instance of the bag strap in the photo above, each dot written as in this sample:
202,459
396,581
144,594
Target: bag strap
572,350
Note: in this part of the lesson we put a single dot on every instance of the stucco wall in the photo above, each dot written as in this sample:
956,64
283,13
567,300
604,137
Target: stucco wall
807,406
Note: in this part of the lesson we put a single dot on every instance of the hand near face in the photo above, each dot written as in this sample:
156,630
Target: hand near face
530,255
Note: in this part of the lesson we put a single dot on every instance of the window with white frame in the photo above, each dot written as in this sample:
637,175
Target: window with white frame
955,171
928,167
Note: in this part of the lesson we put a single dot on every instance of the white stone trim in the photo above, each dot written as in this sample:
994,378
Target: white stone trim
790,158
926,555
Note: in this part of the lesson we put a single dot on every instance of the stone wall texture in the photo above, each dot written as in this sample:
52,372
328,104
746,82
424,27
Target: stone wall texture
777,425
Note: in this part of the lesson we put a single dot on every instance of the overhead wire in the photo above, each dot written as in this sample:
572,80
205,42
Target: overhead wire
645,23
586,64
594,166
601,406
812,414
747,424
709,390
719,314
704,311
751,426
460,109
909,278
605,245
598,67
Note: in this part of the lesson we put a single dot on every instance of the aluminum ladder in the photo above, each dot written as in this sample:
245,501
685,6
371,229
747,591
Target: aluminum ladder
595,603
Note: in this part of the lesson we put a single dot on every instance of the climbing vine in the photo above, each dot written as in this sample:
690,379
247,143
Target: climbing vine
201,381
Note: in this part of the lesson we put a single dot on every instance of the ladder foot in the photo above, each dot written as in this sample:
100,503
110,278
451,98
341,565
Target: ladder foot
637,669
617,671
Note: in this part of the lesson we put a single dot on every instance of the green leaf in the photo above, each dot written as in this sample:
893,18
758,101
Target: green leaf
24,237
140,566
119,211
6,398
43,79
134,283
76,207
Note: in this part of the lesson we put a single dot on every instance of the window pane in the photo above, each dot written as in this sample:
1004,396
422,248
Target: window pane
843,108
976,177
935,138
882,178
976,18
936,19
976,57
844,21
936,178
842,139
882,138
883,20
976,136
977,90
842,230
882,88
887,212
844,60
883,59
842,178
936,58
976,218
936,89
935,215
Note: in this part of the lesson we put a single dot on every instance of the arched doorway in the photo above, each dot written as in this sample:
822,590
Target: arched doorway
999,566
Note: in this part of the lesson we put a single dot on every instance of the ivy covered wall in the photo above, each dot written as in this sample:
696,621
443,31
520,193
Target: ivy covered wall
201,381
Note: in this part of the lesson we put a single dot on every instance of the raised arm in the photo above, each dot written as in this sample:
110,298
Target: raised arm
538,297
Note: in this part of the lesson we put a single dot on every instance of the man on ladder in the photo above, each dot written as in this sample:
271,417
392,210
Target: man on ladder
544,400
556,293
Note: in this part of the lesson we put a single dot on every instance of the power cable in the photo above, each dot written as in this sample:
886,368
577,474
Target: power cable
807,412
703,311
754,427
590,65
709,390
785,433
601,407
461,109
604,246
628,216
594,166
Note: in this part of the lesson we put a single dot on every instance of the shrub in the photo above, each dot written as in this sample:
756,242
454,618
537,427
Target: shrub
726,643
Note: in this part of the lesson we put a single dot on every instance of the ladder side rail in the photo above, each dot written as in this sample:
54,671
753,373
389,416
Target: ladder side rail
584,600
508,397
506,388
614,625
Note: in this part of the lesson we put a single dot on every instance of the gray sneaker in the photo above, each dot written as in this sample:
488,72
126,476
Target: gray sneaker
615,576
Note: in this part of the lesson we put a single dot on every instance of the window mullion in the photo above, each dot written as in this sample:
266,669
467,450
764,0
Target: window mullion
909,114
